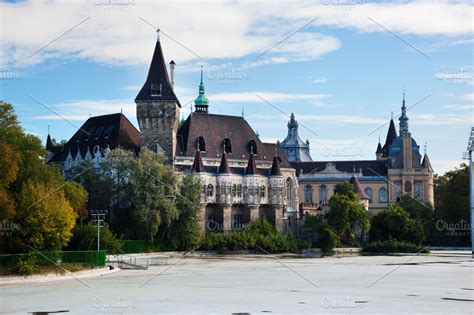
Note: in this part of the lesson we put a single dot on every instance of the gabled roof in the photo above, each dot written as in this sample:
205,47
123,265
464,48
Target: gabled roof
157,74
198,166
214,129
224,166
107,131
275,170
357,188
251,166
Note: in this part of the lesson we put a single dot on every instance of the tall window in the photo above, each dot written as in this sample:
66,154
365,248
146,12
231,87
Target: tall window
262,191
418,191
398,191
308,194
200,144
290,189
227,145
383,195
239,190
234,190
323,194
210,190
369,193
252,146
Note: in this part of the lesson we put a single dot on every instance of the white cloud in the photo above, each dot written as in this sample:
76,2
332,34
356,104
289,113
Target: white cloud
441,119
211,30
460,107
442,166
272,97
320,80
468,97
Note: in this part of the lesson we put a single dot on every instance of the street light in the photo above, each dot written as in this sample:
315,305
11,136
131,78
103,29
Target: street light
98,219
470,148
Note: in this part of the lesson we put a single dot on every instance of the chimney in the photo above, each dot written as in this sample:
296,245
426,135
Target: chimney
172,65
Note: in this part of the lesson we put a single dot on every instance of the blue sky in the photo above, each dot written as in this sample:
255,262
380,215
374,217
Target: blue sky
342,74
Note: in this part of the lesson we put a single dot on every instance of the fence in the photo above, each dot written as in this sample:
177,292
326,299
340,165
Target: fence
92,258
138,246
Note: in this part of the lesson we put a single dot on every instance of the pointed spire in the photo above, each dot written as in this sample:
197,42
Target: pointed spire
251,166
357,188
224,166
426,163
157,34
379,148
198,166
403,118
391,136
201,102
49,143
275,170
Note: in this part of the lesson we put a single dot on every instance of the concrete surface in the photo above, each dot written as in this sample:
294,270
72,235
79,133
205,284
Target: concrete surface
423,284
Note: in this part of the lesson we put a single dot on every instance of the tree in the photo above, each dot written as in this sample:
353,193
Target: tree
84,237
318,233
395,223
422,213
45,218
184,232
77,197
349,219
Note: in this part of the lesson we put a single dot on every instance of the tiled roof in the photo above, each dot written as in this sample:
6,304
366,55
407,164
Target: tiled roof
198,166
357,188
224,166
112,131
368,168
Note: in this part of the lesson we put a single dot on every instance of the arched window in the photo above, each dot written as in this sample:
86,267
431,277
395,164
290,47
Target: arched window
369,193
308,194
239,190
289,190
262,191
210,190
223,190
323,194
200,144
383,194
418,191
234,190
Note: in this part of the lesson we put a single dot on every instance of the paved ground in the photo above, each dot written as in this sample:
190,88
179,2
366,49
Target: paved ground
435,284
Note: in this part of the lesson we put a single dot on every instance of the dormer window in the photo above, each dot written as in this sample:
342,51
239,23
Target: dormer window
200,144
252,147
227,145
156,89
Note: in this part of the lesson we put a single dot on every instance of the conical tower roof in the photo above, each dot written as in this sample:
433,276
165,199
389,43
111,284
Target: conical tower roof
224,166
198,166
426,163
391,136
357,188
251,166
275,170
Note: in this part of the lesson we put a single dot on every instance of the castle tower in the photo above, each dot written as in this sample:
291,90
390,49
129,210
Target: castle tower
158,108
295,149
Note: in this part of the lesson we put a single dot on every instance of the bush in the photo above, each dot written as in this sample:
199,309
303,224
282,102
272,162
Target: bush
319,234
258,234
393,246
27,265
85,238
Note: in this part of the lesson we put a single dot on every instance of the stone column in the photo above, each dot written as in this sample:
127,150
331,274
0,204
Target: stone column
254,213
227,217
278,213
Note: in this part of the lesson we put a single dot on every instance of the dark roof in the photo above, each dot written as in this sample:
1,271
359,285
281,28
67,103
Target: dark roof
275,170
379,148
112,131
214,129
391,136
157,74
224,166
198,166
355,182
251,166
369,168
426,163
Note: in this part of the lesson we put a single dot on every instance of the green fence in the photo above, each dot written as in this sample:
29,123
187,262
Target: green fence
139,246
93,258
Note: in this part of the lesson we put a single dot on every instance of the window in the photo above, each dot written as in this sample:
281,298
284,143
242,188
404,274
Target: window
222,190
200,144
398,191
323,194
418,191
156,89
239,190
210,190
203,190
289,190
234,190
237,221
369,193
262,191
383,194
253,147
308,194
227,146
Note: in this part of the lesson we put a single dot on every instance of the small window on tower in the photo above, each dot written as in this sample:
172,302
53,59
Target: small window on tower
200,144
227,145
252,147
156,89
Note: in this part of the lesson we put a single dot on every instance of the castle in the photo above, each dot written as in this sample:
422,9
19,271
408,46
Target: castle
243,178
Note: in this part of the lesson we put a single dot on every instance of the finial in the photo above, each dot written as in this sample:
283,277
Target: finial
223,146
48,130
426,147
391,116
157,34
243,111
201,74
379,138
121,110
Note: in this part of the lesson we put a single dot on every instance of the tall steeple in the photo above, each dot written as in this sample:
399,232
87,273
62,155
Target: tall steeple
295,149
403,118
201,102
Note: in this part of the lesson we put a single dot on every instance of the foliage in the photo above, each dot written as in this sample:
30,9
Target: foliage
184,232
394,246
452,207
347,217
395,223
84,237
45,217
27,265
257,235
423,213
317,233
77,197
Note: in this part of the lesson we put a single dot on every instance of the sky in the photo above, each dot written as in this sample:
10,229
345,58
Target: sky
340,66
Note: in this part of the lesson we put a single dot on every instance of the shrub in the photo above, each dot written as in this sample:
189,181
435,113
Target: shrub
319,234
394,246
27,265
85,238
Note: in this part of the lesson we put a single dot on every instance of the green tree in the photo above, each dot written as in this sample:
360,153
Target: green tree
77,197
318,233
45,218
395,223
347,216
84,237
422,213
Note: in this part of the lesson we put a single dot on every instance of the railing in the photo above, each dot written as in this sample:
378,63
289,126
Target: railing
94,258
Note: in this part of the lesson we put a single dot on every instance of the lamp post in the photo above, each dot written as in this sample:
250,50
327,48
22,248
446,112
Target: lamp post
98,219
470,148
